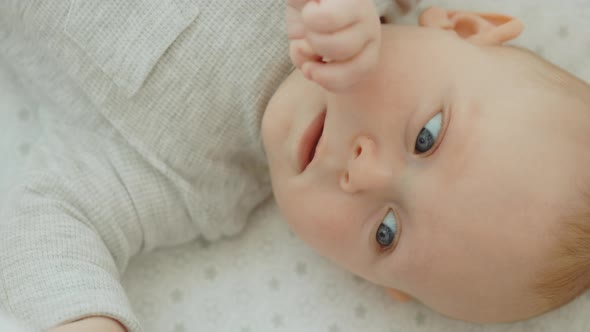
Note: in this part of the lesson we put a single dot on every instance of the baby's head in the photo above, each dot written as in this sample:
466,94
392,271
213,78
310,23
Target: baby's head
456,172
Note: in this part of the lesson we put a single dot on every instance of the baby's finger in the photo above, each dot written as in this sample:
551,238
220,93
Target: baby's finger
340,76
297,4
342,45
329,16
295,26
301,52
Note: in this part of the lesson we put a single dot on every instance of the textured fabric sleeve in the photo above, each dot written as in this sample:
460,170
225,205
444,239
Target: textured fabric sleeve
88,204
8,324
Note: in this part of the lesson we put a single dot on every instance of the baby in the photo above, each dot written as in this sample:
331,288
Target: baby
433,160
430,160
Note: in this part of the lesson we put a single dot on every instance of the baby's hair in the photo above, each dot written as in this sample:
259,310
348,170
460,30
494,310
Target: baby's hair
567,273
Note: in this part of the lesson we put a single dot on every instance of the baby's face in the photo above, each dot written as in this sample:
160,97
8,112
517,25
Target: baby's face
441,175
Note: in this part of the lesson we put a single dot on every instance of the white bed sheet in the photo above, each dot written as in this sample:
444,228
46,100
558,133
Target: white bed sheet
268,280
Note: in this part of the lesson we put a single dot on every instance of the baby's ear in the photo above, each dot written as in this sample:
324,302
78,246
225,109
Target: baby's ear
478,28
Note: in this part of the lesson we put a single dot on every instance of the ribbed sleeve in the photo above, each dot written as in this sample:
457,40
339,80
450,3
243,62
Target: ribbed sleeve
89,203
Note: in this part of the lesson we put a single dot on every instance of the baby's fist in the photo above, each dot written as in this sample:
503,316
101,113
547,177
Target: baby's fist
334,42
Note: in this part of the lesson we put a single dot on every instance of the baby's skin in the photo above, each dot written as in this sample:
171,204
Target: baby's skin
334,43
347,34
431,160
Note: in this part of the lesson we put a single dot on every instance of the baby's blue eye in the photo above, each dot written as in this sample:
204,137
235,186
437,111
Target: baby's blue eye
387,231
429,134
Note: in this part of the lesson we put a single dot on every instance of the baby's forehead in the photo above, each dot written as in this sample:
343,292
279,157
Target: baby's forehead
534,67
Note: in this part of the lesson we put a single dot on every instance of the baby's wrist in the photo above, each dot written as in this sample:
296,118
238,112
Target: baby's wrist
91,324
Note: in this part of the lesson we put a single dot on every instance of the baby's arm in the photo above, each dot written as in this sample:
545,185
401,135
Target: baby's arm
91,324
334,42
90,203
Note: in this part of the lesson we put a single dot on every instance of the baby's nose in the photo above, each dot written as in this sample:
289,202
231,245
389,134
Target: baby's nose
366,169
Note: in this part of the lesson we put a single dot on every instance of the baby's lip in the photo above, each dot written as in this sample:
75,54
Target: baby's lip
309,141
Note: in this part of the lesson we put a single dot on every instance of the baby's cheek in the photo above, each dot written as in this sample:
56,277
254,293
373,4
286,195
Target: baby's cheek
312,226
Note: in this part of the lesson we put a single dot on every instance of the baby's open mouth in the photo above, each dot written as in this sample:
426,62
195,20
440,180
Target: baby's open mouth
309,141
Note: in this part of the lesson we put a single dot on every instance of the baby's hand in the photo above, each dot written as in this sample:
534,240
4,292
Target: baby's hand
334,42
